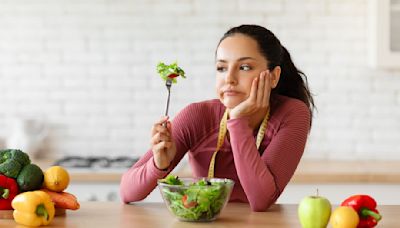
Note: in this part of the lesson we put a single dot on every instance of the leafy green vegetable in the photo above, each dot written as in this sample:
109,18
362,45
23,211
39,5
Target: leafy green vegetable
172,180
170,71
15,154
12,161
198,201
10,168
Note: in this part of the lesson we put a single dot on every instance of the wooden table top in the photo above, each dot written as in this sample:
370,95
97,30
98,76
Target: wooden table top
149,215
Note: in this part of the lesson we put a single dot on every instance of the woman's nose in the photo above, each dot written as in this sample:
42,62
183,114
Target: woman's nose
230,77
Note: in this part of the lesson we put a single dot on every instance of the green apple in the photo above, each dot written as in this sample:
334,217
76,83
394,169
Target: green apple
314,211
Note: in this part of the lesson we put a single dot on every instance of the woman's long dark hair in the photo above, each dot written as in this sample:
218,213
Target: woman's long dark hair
293,82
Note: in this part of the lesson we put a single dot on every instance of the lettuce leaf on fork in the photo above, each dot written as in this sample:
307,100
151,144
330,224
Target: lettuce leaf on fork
170,71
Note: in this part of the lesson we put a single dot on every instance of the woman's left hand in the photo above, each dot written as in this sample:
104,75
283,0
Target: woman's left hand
258,99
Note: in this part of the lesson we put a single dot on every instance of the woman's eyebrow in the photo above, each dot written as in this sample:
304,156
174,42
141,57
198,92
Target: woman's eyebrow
246,58
240,59
221,60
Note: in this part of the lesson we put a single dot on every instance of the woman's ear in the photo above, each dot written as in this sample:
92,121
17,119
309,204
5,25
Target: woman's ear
275,75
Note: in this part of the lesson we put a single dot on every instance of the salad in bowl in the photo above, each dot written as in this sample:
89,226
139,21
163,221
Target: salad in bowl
195,199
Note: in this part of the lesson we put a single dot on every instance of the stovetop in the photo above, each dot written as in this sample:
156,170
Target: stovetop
96,163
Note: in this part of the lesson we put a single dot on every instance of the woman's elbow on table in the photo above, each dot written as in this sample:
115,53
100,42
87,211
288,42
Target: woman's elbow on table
262,203
124,197
260,206
129,196
128,193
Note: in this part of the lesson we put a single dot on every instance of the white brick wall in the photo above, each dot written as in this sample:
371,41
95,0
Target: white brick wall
88,68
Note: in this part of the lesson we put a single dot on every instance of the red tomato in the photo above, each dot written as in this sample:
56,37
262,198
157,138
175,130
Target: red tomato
188,204
173,75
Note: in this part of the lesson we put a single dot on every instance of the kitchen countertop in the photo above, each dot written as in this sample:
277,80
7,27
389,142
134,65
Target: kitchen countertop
96,214
387,172
308,171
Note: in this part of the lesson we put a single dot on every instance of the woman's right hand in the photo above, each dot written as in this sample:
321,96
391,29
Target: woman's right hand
258,99
162,144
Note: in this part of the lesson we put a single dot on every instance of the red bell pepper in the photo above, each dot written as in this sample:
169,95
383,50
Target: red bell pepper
365,206
8,190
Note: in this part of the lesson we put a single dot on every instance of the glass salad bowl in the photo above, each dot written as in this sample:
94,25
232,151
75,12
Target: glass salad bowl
195,199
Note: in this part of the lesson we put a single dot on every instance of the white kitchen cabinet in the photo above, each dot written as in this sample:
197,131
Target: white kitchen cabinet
99,191
384,33
104,191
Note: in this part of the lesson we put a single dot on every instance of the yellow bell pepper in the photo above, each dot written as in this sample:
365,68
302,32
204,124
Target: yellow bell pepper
33,208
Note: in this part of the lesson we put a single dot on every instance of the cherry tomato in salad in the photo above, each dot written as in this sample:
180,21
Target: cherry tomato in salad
188,204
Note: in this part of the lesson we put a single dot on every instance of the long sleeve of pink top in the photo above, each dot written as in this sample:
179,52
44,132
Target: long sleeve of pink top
260,175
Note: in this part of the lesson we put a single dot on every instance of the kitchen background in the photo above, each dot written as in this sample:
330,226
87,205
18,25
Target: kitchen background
86,68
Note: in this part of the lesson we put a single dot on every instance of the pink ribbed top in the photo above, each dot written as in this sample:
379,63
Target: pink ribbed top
259,178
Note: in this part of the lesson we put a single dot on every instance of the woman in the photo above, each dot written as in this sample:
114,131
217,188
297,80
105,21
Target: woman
258,86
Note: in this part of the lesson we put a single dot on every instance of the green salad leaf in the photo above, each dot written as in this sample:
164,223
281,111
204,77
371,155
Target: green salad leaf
201,200
172,180
170,71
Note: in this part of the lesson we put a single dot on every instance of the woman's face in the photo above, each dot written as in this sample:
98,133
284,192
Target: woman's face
238,62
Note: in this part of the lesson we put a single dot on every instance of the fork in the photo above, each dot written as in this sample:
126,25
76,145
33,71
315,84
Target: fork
168,84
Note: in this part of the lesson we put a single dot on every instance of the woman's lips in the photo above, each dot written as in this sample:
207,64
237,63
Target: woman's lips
230,93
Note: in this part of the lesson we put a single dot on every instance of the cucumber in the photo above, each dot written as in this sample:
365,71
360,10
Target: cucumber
30,178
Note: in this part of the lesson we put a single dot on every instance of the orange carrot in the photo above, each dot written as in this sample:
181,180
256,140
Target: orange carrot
63,200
